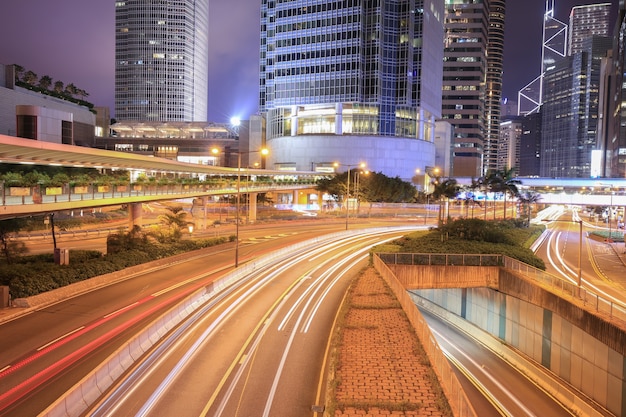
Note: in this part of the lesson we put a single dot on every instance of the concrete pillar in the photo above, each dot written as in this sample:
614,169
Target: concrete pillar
338,119
205,201
135,213
295,197
252,207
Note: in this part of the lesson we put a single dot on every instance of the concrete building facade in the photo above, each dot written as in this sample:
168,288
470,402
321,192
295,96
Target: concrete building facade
30,114
472,89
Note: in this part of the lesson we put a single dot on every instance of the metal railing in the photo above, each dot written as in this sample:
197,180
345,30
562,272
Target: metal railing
443,259
11,196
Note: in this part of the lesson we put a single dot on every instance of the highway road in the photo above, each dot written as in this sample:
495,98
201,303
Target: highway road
50,349
494,387
260,350
566,256
249,352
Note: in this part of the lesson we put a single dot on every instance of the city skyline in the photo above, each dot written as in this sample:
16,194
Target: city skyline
77,46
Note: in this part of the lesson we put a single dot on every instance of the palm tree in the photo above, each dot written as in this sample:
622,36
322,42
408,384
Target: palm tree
45,82
30,78
58,87
175,220
444,189
526,199
502,182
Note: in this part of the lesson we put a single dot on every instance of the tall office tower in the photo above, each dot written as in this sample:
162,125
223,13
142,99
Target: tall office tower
530,146
612,135
470,75
509,144
161,60
569,111
586,21
493,87
350,82
553,49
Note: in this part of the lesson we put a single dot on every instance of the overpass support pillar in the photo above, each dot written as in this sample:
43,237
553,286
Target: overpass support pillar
252,207
205,201
135,214
296,197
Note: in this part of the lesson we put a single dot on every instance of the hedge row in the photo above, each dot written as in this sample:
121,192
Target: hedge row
35,274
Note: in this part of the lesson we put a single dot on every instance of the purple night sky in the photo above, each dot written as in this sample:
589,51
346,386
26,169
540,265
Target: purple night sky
73,41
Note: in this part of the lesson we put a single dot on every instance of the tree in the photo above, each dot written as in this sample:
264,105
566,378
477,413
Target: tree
45,82
30,78
71,90
443,190
502,182
9,247
59,87
175,220
526,199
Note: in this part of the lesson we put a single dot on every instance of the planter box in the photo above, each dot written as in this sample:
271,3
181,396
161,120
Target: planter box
19,191
54,190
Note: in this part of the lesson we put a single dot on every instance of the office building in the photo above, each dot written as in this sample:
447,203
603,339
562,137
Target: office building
351,82
31,113
586,21
570,111
161,60
493,86
472,89
530,146
509,144
612,115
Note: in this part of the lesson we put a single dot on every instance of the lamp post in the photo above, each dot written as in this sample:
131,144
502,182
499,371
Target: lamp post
362,165
263,152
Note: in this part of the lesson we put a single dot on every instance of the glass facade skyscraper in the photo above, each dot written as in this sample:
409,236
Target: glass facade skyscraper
586,21
161,60
351,81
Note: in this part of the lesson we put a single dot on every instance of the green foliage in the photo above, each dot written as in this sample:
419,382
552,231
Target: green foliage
372,186
475,236
31,275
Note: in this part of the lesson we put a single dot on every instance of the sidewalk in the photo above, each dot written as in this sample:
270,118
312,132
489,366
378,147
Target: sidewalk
380,368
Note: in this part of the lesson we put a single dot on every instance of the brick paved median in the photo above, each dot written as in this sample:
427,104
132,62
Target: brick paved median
380,367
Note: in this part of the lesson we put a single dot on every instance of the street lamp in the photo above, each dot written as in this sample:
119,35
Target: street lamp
263,152
349,166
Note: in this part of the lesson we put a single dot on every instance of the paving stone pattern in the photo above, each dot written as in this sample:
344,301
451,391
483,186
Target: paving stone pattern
382,369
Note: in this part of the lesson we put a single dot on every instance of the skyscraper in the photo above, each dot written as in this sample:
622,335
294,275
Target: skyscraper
161,60
586,21
493,87
570,111
351,82
472,89
612,131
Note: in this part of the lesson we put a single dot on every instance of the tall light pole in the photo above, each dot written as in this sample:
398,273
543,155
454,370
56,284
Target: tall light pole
263,152
362,165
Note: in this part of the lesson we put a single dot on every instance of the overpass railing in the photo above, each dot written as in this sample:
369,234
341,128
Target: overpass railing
39,194
598,303
441,259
